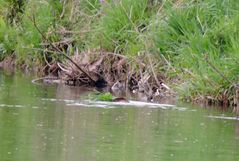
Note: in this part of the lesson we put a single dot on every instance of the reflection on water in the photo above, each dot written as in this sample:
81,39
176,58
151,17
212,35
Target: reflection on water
49,123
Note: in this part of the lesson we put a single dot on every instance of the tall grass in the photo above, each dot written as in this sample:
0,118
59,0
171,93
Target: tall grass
28,37
18,33
200,39
7,39
122,25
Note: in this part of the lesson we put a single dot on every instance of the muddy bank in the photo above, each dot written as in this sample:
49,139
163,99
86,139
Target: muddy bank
110,72
107,72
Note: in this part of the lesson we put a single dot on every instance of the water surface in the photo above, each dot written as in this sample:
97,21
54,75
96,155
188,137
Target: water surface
54,123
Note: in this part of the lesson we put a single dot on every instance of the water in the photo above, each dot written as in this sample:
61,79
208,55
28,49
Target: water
52,123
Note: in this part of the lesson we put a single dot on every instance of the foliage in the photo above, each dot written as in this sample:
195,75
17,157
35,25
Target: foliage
122,25
12,10
105,97
7,39
22,36
199,38
194,41
100,96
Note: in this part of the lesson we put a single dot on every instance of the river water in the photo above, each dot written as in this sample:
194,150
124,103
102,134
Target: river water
54,123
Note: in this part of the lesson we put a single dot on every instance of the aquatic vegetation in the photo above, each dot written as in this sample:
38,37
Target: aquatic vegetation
105,97
100,96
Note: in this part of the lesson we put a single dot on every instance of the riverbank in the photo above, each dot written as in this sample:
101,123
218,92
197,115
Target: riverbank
191,47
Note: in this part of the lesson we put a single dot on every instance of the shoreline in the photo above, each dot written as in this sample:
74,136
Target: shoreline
185,49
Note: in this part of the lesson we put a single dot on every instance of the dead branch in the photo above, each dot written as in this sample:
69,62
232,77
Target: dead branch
152,69
62,68
58,50
217,70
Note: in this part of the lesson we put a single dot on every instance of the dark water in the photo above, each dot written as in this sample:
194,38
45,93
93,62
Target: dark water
52,123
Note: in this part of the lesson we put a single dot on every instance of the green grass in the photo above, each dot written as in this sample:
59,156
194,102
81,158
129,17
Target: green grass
7,39
122,25
195,41
190,34
21,36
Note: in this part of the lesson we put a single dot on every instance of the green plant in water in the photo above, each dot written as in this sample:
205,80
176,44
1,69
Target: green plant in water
100,96
105,97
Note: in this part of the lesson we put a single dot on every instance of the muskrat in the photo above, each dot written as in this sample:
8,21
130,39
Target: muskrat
120,99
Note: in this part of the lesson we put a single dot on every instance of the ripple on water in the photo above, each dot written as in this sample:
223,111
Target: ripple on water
7,105
106,104
17,106
58,100
138,104
223,117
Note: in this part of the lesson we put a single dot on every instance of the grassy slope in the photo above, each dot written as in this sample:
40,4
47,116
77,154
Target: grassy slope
196,41
201,40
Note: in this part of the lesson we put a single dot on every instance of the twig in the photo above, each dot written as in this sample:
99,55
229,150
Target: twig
44,56
161,7
217,70
62,68
34,81
58,43
151,67
63,9
167,62
115,54
33,19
